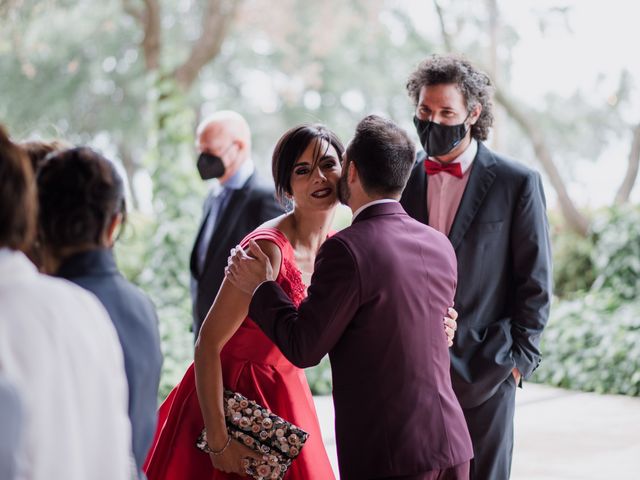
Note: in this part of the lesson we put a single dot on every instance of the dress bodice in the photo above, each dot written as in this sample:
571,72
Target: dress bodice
249,342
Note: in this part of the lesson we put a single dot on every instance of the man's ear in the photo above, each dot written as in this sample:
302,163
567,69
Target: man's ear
116,221
242,145
352,174
475,114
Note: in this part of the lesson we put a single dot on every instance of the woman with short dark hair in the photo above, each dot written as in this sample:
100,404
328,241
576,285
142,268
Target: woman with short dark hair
232,349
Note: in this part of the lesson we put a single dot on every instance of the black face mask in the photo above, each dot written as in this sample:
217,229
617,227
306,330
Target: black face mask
438,139
210,166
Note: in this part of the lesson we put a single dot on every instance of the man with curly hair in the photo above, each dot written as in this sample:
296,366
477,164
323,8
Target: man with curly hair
493,211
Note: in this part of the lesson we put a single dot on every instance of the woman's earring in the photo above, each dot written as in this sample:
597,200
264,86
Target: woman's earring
288,201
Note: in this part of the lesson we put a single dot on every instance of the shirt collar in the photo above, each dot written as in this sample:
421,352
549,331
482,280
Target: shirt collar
99,261
465,159
238,179
375,202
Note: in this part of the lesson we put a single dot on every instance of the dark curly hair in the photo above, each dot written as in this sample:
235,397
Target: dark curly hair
293,144
79,192
474,85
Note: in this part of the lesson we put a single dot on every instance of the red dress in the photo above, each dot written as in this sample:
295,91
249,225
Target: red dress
253,366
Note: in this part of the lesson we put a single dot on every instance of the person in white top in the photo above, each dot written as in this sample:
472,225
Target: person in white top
59,349
11,431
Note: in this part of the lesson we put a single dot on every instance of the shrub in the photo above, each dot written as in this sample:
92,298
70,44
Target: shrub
592,342
573,269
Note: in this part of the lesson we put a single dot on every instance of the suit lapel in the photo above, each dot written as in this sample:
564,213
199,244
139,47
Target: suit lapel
414,196
193,261
480,180
228,217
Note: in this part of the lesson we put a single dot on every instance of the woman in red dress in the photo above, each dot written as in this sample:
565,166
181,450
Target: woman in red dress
232,351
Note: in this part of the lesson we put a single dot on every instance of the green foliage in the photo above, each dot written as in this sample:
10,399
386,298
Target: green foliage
131,247
573,270
74,71
592,341
165,272
319,377
617,254
337,62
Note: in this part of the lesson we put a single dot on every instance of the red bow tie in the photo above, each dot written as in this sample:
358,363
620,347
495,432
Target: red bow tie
432,168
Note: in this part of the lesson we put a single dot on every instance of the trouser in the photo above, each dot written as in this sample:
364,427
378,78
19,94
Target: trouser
457,472
491,428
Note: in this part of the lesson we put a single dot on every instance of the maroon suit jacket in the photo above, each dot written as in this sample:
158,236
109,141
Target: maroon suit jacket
376,303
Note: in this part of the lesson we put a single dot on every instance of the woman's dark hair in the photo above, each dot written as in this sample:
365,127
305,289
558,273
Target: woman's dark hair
293,144
79,192
18,202
475,86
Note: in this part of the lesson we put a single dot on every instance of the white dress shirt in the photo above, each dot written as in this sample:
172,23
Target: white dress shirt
444,191
60,350
367,205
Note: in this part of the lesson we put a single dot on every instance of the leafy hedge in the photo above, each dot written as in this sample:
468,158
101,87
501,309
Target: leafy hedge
592,342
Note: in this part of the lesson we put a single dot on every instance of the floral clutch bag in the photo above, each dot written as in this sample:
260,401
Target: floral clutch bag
276,439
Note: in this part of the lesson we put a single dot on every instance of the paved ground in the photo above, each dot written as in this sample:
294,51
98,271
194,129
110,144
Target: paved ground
560,435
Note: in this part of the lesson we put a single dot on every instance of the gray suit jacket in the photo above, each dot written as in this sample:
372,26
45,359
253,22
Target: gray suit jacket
134,317
501,238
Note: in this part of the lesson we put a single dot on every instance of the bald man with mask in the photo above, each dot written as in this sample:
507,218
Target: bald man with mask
237,203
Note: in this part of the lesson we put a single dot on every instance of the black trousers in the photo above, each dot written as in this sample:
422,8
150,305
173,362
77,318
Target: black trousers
491,428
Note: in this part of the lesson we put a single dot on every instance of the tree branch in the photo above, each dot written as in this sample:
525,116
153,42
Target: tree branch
149,19
576,221
129,9
215,24
446,37
624,192
152,30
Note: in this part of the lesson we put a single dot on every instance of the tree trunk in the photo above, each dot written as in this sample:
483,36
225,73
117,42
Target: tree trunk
130,167
151,43
216,21
622,196
576,221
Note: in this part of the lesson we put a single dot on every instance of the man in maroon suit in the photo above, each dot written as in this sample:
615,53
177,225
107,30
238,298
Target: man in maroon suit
375,304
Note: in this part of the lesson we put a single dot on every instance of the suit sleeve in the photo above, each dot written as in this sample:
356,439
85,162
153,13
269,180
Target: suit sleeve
532,274
307,333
